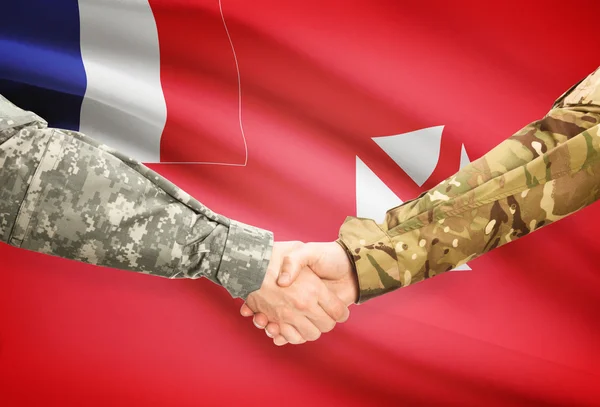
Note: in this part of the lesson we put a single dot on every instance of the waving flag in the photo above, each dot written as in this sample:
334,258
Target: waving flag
291,116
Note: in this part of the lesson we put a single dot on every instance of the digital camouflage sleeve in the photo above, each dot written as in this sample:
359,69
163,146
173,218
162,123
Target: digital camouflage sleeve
543,173
62,193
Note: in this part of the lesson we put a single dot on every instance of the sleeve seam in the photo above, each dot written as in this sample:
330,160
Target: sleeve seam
26,195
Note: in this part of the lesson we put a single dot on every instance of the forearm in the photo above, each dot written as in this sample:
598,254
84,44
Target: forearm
66,195
543,173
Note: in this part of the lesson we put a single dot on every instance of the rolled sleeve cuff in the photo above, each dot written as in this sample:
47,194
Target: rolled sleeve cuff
245,259
374,257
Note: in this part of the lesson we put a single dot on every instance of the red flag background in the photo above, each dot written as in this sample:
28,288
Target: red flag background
320,79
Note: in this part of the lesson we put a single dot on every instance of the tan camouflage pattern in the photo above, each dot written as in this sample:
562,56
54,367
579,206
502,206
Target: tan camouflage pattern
66,195
543,173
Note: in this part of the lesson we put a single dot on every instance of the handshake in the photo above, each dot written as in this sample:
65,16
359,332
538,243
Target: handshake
306,290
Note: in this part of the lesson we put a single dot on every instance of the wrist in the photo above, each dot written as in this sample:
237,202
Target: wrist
351,293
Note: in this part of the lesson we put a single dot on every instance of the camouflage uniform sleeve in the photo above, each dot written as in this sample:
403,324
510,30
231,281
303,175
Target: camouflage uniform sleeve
66,195
543,173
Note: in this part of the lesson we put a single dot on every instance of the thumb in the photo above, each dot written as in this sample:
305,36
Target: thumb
293,264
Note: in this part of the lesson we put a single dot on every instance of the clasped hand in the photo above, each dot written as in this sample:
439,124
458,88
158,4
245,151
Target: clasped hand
307,290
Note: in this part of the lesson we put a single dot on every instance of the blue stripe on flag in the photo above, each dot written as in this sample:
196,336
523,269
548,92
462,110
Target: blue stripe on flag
40,59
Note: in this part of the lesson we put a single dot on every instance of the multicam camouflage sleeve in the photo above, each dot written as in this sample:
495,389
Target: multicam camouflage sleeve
543,173
62,193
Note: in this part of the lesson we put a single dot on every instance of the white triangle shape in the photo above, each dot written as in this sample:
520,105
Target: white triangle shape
373,197
463,267
464,158
416,152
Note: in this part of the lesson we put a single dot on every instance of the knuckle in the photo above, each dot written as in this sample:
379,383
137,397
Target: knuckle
339,311
301,304
288,259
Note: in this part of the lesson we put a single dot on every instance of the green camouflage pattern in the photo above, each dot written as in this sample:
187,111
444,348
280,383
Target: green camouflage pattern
66,195
543,173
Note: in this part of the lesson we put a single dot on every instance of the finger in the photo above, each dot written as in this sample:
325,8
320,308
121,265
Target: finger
246,311
272,330
306,328
261,320
293,263
280,341
291,334
332,305
322,321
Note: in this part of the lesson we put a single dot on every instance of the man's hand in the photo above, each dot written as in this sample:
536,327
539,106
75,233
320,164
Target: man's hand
302,311
329,262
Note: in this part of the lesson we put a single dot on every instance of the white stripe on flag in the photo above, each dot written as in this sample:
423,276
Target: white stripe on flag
124,106
416,152
373,197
